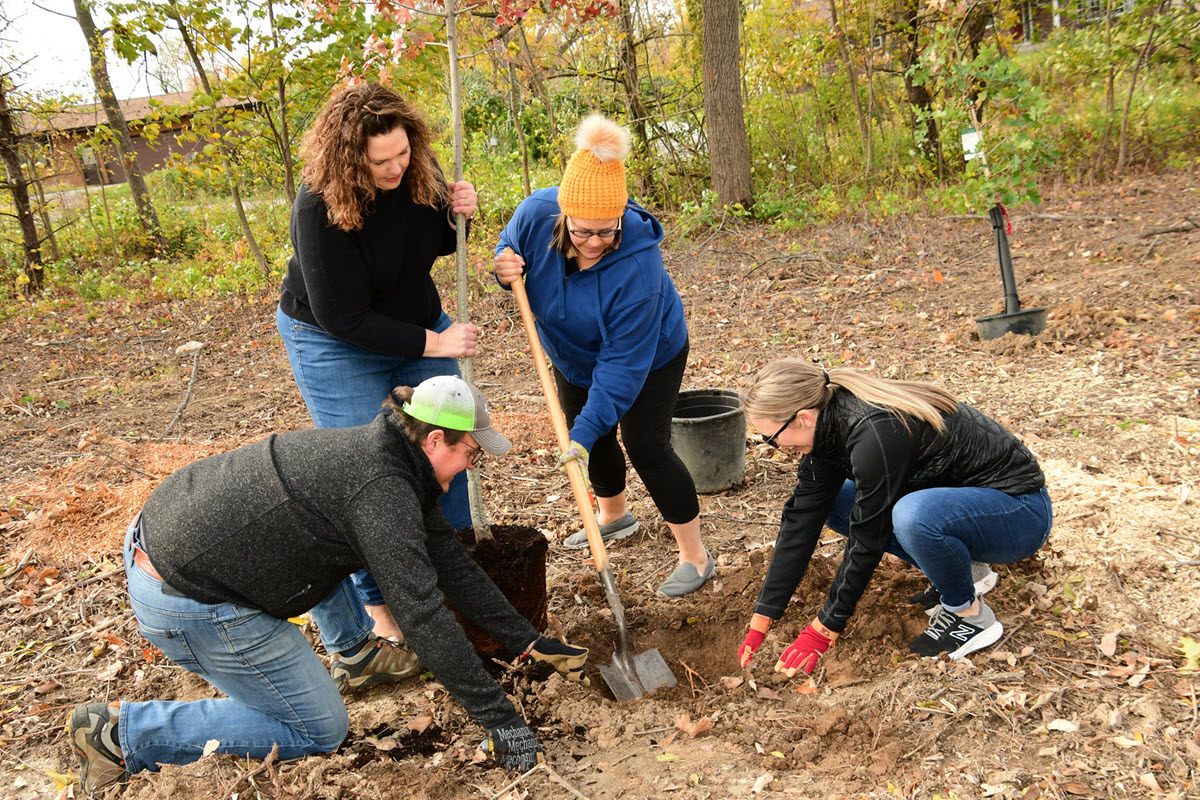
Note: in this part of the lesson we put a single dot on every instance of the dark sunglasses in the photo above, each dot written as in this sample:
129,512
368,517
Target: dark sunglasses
771,440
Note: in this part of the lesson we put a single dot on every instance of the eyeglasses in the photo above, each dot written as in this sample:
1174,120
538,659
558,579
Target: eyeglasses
475,453
584,234
772,440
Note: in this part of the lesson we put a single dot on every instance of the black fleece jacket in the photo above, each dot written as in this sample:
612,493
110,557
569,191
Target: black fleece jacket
872,447
276,525
369,287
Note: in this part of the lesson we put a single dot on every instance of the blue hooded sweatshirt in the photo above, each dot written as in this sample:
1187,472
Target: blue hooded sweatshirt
607,327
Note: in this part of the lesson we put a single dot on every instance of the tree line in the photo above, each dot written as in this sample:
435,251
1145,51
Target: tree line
785,111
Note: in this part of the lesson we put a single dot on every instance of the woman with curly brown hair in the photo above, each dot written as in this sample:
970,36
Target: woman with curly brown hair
359,312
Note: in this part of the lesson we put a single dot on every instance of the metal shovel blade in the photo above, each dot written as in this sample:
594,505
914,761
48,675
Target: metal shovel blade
637,674
630,675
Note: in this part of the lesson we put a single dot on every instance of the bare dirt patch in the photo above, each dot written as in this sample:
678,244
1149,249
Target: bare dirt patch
1085,696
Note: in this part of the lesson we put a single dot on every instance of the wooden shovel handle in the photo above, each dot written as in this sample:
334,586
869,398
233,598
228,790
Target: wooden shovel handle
574,471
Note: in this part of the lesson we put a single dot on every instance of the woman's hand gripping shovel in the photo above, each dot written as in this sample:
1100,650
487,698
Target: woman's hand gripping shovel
630,675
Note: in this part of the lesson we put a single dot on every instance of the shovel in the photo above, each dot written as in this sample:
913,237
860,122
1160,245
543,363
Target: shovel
630,675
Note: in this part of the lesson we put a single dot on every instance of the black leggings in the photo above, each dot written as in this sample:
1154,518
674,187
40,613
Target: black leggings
646,432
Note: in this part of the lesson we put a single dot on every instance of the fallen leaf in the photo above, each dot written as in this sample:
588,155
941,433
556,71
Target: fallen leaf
1148,780
421,723
210,747
732,682
1078,788
938,277
48,686
1108,644
1189,648
1125,743
761,783
60,780
1064,725
109,672
767,694
666,757
693,729
808,687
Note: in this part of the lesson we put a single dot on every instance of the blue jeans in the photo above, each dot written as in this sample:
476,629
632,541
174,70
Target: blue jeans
942,530
342,386
277,690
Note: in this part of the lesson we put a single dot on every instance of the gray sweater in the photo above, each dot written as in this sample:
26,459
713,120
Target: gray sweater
276,525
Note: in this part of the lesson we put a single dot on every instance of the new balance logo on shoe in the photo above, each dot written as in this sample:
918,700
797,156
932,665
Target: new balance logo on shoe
962,633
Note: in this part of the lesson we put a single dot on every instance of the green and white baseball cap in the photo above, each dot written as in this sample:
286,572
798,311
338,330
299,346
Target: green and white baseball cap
450,402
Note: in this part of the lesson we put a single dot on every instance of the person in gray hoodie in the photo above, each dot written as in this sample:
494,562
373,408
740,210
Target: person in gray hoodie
230,547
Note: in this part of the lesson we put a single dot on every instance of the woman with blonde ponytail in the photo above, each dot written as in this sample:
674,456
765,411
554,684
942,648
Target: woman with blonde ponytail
612,323
896,467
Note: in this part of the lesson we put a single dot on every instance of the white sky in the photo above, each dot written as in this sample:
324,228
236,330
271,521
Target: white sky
57,54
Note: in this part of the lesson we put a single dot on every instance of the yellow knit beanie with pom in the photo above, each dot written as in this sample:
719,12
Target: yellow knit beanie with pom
593,186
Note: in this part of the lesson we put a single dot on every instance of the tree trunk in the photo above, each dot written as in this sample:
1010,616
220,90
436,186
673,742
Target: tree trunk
724,119
1123,142
628,67
19,188
36,181
514,105
226,156
285,139
285,145
918,95
541,90
864,124
116,120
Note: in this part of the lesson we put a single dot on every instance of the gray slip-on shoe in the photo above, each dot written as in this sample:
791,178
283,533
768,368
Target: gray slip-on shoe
687,579
623,528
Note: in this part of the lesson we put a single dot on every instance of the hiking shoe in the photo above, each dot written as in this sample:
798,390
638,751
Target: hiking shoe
623,528
957,636
376,661
982,574
687,579
92,732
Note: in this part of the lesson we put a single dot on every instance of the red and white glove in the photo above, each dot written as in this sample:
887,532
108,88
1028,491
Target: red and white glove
754,640
804,652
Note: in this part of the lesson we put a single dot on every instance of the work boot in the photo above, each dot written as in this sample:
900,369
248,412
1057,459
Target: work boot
375,661
92,731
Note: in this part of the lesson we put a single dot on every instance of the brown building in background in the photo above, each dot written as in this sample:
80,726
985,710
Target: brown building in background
75,160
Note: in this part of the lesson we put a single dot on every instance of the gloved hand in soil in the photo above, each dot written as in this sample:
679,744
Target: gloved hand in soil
567,659
804,652
754,638
514,745
576,452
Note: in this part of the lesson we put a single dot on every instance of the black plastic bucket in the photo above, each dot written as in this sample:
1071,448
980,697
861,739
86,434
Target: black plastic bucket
708,431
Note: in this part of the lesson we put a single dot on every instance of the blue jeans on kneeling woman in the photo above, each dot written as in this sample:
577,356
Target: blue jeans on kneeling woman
942,530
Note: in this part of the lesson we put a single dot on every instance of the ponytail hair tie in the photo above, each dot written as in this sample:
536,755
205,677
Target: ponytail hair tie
826,374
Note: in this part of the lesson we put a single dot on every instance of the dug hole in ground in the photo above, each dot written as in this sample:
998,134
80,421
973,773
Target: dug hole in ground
1092,691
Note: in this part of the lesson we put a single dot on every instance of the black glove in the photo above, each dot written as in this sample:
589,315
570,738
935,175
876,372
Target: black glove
567,659
514,745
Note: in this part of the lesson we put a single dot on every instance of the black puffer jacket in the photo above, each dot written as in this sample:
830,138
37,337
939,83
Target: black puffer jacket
886,460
